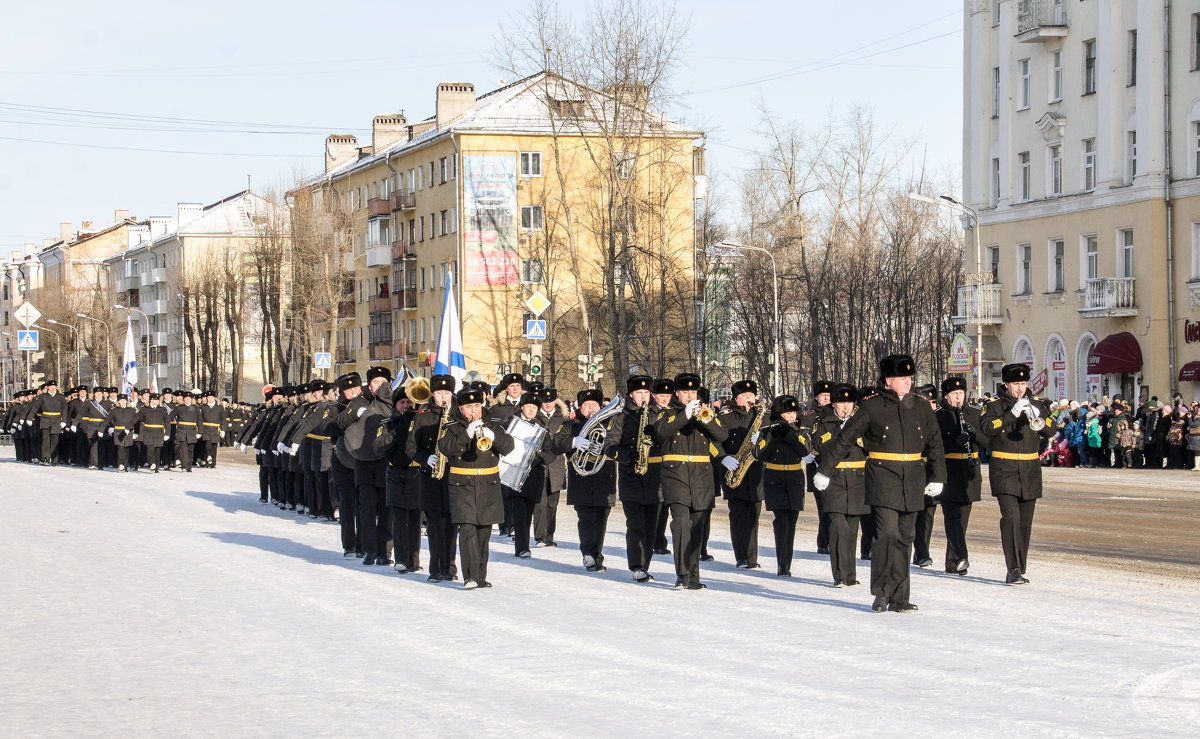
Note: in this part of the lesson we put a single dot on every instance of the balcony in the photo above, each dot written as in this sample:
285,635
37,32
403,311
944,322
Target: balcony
154,307
404,201
158,275
381,304
1040,20
379,256
405,299
402,250
346,310
1109,297
382,351
966,312
130,283
401,348
377,207
343,355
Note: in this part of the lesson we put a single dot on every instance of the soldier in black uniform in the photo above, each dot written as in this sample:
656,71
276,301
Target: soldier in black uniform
960,425
632,438
661,395
318,430
523,501
782,448
822,390
745,500
89,417
421,447
122,427
370,471
212,422
403,494
185,423
545,514
1014,470
341,468
846,496
686,430
900,435
50,410
594,495
153,428
473,447
507,396
924,525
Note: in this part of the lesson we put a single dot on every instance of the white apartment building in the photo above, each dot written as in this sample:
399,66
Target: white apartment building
1081,153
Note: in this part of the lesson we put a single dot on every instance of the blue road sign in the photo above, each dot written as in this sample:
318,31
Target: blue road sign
323,360
536,330
27,341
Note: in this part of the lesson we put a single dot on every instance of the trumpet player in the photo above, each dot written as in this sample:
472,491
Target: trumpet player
639,473
1014,422
782,451
592,495
745,499
685,430
959,424
473,446
434,493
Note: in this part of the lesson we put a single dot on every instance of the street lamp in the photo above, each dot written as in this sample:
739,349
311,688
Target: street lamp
57,347
78,365
107,344
775,325
978,278
132,310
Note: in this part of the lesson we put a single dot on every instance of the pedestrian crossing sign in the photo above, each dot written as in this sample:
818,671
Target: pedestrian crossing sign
27,341
323,360
535,329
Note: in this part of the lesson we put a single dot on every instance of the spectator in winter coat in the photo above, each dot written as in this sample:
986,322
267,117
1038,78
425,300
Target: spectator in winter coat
1193,438
1094,441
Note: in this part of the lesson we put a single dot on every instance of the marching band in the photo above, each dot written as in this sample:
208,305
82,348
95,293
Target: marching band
390,457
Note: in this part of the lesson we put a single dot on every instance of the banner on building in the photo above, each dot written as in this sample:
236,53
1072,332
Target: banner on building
962,355
491,225
1038,383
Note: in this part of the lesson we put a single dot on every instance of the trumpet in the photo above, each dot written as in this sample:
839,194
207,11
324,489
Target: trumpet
1035,423
705,414
482,443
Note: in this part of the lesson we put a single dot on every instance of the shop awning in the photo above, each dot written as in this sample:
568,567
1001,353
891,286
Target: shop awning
1115,354
1190,372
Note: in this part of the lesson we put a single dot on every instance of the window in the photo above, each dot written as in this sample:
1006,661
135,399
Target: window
453,166
993,261
1023,160
1057,258
443,170
1056,70
445,223
1195,41
1196,251
421,279
995,182
995,13
1125,254
1196,141
421,178
1025,268
531,271
454,220
1089,165
531,217
412,231
412,181
1091,257
995,92
1132,58
1132,155
1055,170
421,228
531,164
1026,93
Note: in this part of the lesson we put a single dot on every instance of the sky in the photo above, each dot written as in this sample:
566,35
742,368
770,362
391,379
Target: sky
140,105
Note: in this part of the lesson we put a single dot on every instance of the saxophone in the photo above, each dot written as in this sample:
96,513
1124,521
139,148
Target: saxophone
733,478
643,442
439,466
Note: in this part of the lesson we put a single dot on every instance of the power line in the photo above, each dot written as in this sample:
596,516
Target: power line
155,151
241,68
106,115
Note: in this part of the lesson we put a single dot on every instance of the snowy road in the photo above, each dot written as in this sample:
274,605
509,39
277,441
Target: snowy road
175,604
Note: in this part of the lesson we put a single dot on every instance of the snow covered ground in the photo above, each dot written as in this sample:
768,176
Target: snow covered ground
174,604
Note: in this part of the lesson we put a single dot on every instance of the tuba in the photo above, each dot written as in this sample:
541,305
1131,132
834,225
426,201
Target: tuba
417,390
589,461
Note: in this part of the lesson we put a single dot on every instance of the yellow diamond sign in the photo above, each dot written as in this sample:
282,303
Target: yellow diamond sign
537,303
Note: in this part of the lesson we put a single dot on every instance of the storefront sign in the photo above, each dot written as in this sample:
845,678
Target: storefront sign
962,354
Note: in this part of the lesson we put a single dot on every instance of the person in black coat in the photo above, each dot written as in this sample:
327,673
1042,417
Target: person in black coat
822,394
520,503
594,495
745,500
545,513
632,438
687,478
782,448
212,428
50,411
473,446
846,496
185,425
89,417
403,497
154,429
959,424
121,425
508,394
900,435
370,469
434,494
924,524
1014,464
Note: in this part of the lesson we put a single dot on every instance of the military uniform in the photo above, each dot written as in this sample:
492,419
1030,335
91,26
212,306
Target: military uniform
545,513
89,417
745,501
640,495
122,427
434,494
963,474
1014,469
781,449
50,410
212,422
185,424
153,429
592,496
846,496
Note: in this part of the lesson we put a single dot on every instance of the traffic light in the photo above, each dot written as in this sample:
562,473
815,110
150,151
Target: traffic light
535,366
596,367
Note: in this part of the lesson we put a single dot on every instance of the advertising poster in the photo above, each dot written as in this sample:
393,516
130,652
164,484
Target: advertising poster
490,226
962,355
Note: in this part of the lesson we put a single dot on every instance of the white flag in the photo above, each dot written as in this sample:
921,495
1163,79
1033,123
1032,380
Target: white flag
129,374
450,358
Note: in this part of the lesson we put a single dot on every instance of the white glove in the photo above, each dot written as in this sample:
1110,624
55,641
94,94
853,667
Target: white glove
28,422
933,489
473,427
809,459
820,482
295,448
166,437
730,463
1019,407
222,433
135,436
1033,411
754,439
275,452
242,447
690,409
279,446
197,436
73,429
432,461
581,443
111,431
361,411
488,433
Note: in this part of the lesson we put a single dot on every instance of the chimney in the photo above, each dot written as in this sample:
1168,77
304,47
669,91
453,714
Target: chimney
339,149
454,100
120,215
64,231
387,130
186,213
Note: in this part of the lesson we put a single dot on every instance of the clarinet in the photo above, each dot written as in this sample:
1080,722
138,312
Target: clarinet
962,429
